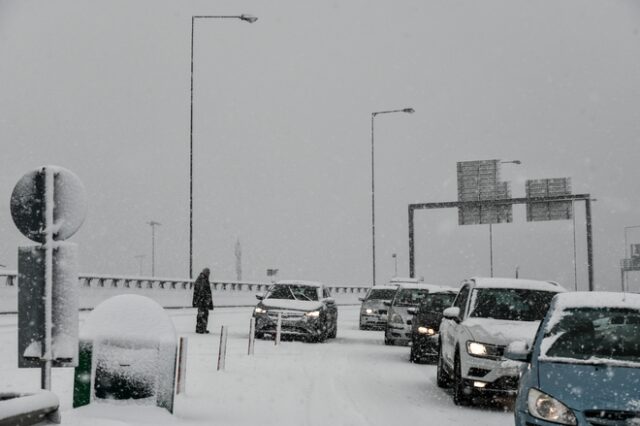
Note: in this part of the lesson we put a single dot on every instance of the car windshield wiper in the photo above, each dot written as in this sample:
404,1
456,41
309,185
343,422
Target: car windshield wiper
292,293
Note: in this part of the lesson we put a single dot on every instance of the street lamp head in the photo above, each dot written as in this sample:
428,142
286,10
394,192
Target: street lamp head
409,110
248,18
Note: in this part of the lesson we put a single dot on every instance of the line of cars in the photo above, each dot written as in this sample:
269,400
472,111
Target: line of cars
571,358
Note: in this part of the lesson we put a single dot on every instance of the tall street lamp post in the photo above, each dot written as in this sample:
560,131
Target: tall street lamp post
246,18
373,187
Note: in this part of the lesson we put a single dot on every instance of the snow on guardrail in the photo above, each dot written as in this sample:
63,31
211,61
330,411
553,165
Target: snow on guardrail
168,292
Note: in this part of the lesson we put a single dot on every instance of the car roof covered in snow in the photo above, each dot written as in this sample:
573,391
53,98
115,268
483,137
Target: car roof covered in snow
300,282
444,289
385,287
425,286
404,280
596,299
517,283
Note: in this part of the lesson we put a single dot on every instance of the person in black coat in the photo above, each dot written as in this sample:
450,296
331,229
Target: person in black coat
202,300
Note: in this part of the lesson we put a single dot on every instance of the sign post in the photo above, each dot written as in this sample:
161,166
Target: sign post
48,206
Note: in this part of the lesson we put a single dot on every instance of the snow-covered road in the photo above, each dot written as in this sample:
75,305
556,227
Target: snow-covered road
352,380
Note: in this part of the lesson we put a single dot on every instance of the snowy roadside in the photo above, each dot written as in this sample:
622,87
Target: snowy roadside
352,380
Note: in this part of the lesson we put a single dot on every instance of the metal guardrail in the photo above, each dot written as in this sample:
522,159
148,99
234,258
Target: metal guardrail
9,279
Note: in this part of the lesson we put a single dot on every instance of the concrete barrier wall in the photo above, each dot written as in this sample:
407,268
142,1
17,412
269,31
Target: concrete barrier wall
168,292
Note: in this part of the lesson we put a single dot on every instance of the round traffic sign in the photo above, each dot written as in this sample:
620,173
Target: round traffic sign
28,204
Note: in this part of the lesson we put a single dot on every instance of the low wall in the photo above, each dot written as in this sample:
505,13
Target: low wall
168,292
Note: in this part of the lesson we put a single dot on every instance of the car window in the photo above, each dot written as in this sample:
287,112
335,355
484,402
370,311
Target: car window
326,293
510,304
293,292
381,294
410,296
594,334
461,300
437,302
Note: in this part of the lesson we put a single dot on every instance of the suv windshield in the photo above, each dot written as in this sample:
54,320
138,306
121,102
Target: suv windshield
410,296
293,292
383,294
510,304
594,334
437,302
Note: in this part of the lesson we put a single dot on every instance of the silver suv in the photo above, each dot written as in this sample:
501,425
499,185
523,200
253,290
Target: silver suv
487,315
373,312
398,327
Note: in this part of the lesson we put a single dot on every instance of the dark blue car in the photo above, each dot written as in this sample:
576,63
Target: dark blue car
584,366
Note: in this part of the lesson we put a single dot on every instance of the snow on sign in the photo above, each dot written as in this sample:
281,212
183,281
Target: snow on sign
47,206
28,204
555,210
480,181
128,349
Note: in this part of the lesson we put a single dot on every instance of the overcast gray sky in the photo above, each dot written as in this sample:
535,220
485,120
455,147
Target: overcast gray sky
282,130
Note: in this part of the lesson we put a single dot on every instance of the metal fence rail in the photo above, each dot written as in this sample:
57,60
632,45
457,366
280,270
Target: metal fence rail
9,279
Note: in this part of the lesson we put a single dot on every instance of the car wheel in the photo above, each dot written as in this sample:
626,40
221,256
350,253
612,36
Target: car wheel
334,332
461,395
413,356
258,335
442,377
388,342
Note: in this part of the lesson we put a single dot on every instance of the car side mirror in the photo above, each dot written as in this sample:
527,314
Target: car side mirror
412,311
361,299
518,350
259,297
452,313
387,303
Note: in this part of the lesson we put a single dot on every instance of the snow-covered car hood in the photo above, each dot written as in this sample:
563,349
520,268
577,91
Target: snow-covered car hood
293,305
587,387
501,332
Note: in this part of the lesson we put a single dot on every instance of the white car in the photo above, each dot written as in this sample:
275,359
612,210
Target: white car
487,315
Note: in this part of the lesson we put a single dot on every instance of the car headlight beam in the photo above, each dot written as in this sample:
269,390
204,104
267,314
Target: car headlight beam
483,350
368,311
312,314
426,330
260,310
548,408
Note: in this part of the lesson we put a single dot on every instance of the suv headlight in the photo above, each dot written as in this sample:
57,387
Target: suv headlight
396,319
368,311
483,350
260,310
547,408
426,330
312,314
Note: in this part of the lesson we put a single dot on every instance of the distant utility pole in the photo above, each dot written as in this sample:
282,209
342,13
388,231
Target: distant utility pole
238,260
140,257
153,225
